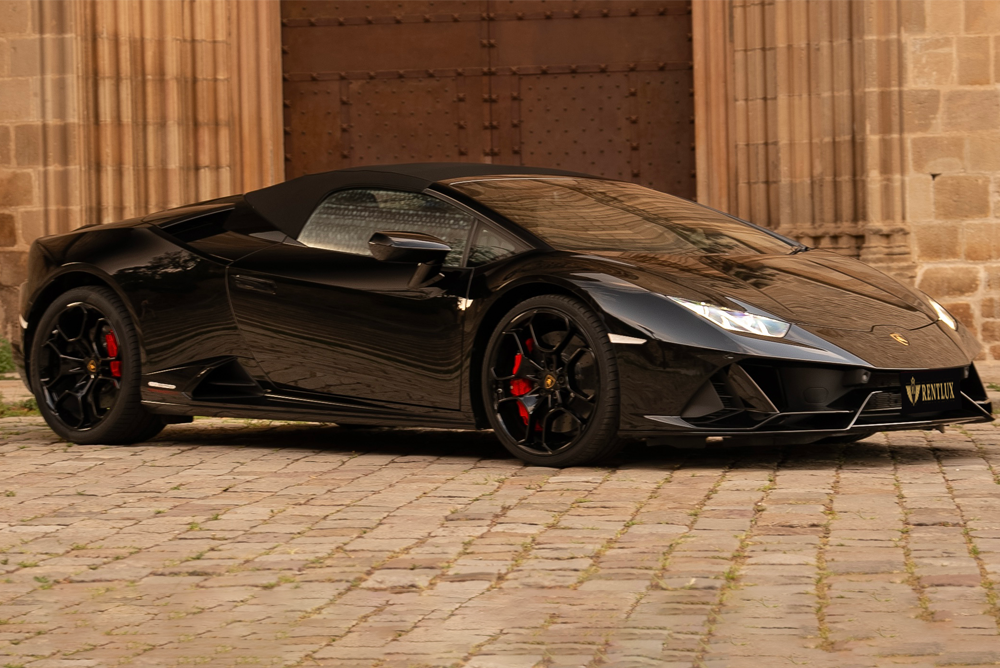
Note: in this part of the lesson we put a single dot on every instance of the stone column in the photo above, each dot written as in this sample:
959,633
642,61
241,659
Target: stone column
182,101
804,94
115,108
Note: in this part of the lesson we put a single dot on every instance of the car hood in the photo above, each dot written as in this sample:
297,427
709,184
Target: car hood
815,288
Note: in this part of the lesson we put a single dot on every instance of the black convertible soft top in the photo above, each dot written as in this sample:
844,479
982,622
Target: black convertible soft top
288,205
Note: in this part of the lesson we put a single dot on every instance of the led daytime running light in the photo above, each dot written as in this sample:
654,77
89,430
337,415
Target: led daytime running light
736,321
943,315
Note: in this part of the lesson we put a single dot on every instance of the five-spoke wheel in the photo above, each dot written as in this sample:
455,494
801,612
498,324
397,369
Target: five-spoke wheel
550,383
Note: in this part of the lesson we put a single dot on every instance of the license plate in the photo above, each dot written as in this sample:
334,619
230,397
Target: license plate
926,391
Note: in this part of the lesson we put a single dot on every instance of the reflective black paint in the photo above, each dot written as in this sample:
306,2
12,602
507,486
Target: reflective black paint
351,326
329,336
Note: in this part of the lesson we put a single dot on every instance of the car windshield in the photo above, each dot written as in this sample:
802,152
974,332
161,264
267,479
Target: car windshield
582,214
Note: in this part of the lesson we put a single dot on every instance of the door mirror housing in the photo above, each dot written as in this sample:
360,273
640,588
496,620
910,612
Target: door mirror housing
409,247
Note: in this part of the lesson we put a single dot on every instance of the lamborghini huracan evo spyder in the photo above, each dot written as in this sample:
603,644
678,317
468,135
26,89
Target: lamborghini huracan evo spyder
568,313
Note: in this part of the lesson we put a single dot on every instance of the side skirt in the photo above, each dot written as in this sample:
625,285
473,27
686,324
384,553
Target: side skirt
298,410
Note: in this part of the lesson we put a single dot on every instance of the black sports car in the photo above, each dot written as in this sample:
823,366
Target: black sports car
568,313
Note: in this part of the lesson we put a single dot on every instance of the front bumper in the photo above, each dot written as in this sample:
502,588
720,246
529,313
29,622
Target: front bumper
751,398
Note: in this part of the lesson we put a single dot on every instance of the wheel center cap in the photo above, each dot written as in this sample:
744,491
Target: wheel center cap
92,366
549,382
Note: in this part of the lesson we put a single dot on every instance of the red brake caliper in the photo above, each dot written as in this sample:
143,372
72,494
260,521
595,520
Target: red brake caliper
519,386
112,345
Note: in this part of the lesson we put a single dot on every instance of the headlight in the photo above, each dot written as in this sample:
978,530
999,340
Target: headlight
736,321
943,315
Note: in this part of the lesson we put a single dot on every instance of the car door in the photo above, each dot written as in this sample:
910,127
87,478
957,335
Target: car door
322,315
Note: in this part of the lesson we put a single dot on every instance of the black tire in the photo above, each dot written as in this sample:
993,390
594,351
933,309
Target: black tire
82,393
571,380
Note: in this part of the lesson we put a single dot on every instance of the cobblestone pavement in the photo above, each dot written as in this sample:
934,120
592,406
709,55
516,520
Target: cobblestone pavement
233,543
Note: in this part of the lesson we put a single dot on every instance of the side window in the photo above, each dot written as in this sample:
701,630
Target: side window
490,245
347,219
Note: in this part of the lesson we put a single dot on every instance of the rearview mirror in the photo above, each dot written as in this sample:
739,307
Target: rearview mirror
411,247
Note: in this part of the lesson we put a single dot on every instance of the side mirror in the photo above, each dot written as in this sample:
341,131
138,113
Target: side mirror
410,247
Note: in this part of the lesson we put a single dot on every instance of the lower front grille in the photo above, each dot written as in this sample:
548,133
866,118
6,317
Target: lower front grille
885,400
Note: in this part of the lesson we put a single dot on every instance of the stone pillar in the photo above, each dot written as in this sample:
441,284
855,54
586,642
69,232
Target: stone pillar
115,108
182,101
805,94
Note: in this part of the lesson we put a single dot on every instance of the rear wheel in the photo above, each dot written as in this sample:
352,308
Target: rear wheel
85,370
550,383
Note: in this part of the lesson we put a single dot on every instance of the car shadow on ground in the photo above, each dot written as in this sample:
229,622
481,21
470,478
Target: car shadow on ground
910,447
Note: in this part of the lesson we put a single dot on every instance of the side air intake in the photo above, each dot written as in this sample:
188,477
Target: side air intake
227,382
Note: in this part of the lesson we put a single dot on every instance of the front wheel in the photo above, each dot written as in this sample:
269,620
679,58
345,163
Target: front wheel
550,383
85,370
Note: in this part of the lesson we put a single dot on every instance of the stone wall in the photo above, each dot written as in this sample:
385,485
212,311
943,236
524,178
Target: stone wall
111,109
952,119
871,127
39,140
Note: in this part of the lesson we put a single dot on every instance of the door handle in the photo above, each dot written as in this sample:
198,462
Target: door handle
254,284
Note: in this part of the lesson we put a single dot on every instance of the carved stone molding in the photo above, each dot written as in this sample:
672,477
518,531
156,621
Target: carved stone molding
179,102
798,121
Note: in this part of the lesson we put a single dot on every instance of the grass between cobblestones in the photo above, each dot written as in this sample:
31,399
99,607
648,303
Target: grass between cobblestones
234,543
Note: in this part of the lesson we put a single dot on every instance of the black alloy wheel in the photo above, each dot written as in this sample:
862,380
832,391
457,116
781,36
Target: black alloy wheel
84,370
550,383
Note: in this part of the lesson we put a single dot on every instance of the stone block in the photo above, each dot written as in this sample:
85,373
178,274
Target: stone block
62,188
13,267
19,100
921,109
4,59
937,241
937,154
31,224
942,17
6,145
28,144
950,281
982,16
56,18
990,331
919,196
982,152
15,16
996,59
992,273
8,230
982,241
973,61
972,110
25,57
60,95
913,17
17,188
990,307
961,197
932,61
61,143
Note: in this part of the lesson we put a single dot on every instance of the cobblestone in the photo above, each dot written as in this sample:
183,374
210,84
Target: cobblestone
241,543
